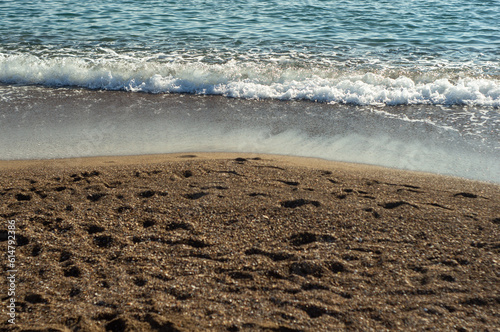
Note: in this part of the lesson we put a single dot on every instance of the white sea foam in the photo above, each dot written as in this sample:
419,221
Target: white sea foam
253,80
35,124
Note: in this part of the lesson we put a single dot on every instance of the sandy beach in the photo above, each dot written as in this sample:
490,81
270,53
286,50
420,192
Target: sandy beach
244,242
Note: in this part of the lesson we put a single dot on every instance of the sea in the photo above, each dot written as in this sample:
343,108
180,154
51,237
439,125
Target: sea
409,84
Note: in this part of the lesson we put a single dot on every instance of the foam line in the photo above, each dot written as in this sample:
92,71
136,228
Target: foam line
253,80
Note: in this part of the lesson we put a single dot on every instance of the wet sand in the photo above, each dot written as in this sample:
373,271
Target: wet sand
235,242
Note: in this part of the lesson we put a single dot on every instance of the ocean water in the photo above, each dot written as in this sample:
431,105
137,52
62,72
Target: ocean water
412,84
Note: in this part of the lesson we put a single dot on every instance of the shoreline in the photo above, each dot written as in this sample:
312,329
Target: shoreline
111,123
292,160
234,241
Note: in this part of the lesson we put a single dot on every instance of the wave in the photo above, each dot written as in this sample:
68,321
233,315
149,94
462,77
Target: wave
275,79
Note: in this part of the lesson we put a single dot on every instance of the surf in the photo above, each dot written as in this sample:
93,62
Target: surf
280,80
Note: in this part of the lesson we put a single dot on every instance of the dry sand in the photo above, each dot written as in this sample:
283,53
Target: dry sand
234,242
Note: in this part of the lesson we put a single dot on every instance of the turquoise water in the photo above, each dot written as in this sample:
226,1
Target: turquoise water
417,31
432,64
361,52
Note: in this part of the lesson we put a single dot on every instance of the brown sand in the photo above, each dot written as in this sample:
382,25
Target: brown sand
247,242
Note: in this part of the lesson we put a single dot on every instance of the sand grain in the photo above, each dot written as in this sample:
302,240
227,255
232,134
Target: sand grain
248,242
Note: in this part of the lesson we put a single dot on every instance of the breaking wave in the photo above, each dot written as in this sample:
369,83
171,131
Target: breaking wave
278,78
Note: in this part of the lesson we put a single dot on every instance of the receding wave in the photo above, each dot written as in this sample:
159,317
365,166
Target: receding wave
278,79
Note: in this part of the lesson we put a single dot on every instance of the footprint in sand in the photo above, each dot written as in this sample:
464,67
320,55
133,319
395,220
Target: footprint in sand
23,197
196,195
92,229
148,223
290,183
467,195
299,202
393,205
72,271
103,241
35,298
146,194
36,250
140,282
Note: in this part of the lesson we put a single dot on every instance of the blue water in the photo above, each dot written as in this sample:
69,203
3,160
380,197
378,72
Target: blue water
432,64
415,31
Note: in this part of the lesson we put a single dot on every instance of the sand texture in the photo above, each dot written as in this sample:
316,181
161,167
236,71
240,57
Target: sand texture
247,242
